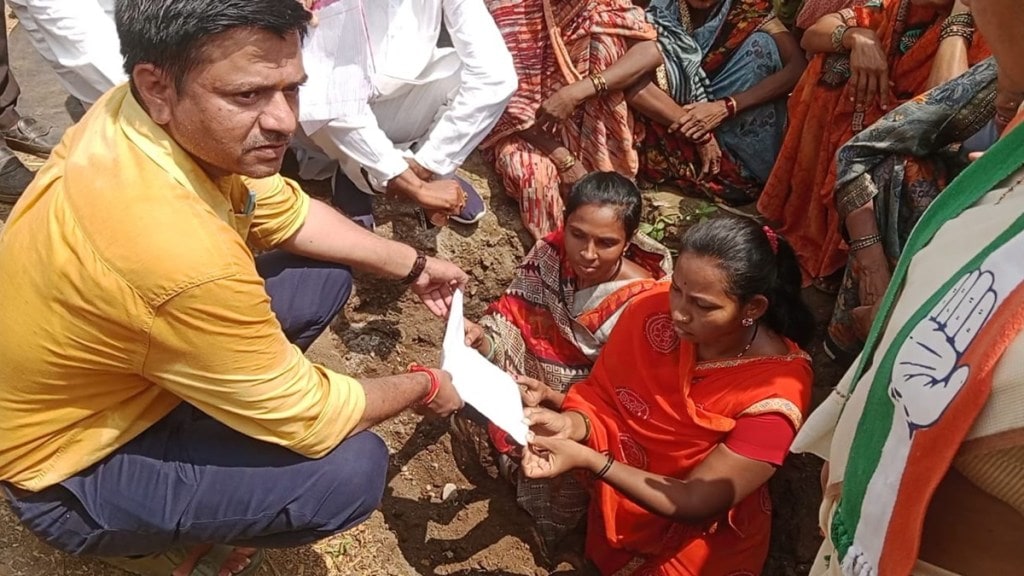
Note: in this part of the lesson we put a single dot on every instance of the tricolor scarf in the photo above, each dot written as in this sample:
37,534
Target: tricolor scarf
929,389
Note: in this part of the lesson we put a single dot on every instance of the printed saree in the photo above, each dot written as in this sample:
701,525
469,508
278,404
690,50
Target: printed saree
728,54
654,407
545,328
798,196
553,44
901,163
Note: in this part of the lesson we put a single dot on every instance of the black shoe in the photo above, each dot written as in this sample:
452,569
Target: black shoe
32,137
14,176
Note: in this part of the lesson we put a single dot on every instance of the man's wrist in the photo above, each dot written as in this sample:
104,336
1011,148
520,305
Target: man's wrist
424,383
406,184
416,269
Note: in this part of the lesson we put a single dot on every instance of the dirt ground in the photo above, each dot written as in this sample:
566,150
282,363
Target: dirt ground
478,529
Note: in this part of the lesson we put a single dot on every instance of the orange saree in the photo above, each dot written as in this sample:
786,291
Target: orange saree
654,407
798,196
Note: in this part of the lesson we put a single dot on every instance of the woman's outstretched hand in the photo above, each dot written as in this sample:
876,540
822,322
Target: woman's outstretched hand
544,422
534,392
547,457
474,334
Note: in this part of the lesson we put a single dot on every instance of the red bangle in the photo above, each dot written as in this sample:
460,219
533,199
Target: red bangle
730,106
435,382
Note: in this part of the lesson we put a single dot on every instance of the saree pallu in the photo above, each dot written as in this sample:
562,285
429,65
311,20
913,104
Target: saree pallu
545,328
901,163
798,197
553,44
654,407
733,51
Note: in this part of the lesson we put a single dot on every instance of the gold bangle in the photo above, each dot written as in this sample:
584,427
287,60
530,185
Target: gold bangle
600,84
586,425
566,164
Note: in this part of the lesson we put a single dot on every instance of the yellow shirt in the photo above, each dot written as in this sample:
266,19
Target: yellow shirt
128,286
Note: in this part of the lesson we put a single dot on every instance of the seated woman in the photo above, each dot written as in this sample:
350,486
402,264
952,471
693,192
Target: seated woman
868,61
557,313
554,43
890,173
689,411
712,92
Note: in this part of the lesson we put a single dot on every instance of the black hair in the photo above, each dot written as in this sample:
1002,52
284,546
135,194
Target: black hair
607,189
171,34
753,266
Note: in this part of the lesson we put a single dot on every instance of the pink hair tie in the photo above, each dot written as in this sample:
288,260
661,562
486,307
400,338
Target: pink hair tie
773,238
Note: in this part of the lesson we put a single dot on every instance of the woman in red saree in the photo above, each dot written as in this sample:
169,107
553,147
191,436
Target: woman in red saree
868,61
689,410
557,313
555,43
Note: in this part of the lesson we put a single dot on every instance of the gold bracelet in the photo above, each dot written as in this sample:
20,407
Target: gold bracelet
600,84
586,426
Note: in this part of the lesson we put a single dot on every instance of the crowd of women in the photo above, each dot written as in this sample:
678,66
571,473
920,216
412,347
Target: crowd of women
662,398
718,98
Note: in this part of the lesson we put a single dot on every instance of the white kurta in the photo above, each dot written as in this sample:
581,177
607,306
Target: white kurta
380,89
79,40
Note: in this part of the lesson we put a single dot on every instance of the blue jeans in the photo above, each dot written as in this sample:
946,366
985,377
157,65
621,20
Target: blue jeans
189,479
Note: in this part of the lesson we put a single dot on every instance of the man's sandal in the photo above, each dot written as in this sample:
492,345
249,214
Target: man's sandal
164,563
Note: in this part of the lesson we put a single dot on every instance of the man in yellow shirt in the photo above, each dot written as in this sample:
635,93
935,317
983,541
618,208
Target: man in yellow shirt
155,404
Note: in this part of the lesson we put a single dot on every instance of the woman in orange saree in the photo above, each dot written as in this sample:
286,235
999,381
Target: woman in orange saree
868,61
553,44
689,410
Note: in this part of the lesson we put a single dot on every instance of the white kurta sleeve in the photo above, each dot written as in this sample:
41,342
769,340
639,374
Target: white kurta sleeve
488,79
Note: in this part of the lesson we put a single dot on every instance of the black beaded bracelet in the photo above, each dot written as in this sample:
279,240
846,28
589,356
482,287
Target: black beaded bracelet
417,268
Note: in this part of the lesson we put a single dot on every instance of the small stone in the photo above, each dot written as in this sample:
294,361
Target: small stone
448,491
449,554
405,468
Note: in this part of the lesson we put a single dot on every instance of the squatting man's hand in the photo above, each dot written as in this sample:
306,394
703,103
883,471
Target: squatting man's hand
437,283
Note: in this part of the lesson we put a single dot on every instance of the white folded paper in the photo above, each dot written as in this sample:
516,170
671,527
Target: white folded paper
481,384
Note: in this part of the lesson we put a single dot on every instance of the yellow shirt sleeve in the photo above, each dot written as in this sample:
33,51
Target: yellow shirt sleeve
219,347
281,209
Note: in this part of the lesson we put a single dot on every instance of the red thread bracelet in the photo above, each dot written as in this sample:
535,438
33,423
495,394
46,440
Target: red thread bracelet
435,382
